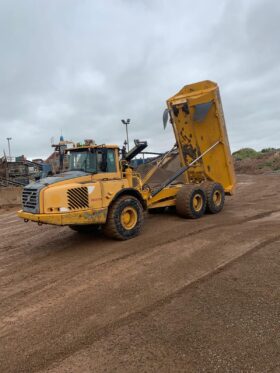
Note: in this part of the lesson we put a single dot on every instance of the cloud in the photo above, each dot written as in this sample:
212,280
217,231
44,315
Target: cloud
81,67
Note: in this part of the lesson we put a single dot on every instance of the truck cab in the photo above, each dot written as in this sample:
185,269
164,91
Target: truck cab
81,195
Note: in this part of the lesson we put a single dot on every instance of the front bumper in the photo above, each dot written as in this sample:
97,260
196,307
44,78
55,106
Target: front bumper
89,216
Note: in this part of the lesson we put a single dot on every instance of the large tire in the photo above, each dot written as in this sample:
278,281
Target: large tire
215,195
125,218
85,228
191,201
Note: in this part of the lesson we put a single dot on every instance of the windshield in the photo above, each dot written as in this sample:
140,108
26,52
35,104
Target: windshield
82,161
93,161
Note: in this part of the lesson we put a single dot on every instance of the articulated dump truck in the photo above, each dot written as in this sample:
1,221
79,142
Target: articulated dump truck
102,191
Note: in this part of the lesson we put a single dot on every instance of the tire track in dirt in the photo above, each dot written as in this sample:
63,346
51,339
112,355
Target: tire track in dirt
101,263
143,313
87,334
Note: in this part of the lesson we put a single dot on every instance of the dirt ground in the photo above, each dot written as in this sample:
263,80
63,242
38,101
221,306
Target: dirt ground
10,196
184,296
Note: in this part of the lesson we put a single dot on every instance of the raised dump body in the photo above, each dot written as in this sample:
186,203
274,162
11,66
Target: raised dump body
197,117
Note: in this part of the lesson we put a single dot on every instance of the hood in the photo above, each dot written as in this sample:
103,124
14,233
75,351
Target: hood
56,179
30,193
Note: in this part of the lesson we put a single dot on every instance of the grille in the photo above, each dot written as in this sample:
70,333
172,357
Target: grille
77,198
30,199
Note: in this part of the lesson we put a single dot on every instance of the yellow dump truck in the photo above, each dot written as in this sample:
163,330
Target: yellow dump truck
102,190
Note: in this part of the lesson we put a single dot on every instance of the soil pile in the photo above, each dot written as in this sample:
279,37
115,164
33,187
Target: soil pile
249,161
163,172
246,161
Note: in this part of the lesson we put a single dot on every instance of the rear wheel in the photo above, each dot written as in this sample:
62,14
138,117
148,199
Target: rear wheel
215,197
125,218
86,228
191,201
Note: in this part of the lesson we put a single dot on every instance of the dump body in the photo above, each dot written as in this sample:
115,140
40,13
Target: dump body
197,118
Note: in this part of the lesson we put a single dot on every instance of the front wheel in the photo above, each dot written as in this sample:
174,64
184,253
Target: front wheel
125,218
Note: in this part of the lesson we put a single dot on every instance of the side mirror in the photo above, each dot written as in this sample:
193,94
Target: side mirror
165,117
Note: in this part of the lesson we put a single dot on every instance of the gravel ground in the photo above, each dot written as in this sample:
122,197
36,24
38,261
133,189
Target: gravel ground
185,296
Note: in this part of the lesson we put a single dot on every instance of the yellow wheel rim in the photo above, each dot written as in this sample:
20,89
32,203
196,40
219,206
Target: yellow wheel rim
217,198
129,217
197,202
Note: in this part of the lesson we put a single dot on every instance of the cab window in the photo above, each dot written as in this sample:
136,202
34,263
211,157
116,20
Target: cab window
109,163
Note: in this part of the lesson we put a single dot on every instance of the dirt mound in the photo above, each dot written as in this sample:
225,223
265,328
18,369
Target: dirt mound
249,161
163,172
246,161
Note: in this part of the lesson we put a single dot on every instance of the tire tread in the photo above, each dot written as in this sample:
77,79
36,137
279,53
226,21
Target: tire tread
208,187
111,226
183,205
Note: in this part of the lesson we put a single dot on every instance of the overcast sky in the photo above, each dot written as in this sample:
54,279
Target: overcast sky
81,66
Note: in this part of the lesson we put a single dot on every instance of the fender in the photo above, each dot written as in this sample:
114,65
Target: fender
131,192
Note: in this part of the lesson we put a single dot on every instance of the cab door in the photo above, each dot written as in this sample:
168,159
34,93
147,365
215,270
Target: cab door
108,173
